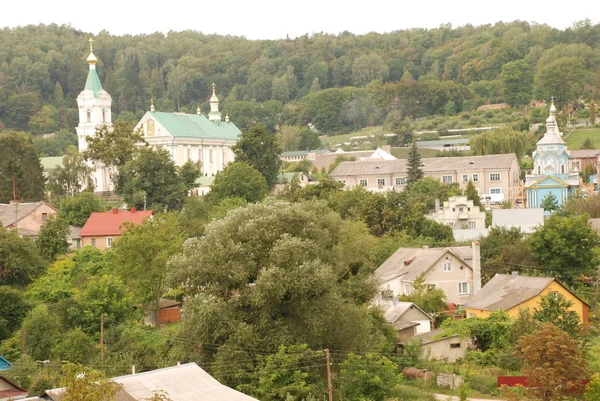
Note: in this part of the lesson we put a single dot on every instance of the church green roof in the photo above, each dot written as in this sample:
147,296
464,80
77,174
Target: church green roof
93,82
181,125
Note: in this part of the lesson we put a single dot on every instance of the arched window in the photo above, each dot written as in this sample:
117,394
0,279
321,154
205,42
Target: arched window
150,127
103,115
89,115
189,155
539,170
562,168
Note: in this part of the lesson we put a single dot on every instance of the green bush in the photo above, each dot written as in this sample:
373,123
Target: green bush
482,383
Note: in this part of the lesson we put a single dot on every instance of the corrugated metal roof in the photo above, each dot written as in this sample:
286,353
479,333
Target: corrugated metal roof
524,219
110,223
181,125
395,312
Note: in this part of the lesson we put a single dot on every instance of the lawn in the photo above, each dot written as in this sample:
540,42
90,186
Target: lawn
575,140
402,153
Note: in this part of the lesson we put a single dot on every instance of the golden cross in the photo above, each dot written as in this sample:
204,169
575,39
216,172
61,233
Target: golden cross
90,40
214,87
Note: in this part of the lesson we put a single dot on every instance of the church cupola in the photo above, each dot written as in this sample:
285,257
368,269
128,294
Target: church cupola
214,114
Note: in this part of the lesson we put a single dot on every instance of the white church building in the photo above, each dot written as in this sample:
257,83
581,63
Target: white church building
187,137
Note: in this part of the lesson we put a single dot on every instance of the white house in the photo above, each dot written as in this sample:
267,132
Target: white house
458,212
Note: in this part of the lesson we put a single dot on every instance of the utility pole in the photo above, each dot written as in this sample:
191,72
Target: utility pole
102,340
596,293
329,385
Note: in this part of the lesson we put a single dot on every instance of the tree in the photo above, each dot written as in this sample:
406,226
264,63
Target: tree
368,377
260,150
554,362
189,173
593,112
41,332
238,180
562,78
86,384
472,194
588,143
20,261
577,250
114,146
53,238
75,347
498,141
77,209
367,68
151,178
19,158
555,309
549,203
517,83
13,309
141,254
71,177
426,296
414,171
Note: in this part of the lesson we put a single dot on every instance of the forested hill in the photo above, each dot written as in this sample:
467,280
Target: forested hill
337,82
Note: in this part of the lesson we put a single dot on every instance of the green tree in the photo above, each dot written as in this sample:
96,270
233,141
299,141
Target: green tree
577,250
563,78
555,309
189,173
588,143
53,238
41,332
77,209
549,203
593,111
414,172
20,261
71,177
426,296
368,377
20,159
517,83
13,308
367,68
472,194
498,141
75,347
86,384
114,146
151,177
261,151
141,255
238,180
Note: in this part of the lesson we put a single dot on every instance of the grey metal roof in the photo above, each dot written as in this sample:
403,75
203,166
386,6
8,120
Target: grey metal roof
583,153
504,292
524,219
395,312
429,165
410,263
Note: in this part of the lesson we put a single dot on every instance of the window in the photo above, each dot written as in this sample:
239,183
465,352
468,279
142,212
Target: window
455,345
210,155
363,183
465,177
77,243
109,242
463,288
89,115
380,182
44,216
471,224
447,266
407,288
495,177
475,177
103,115
562,168
342,182
539,169
450,224
400,181
575,165
189,155
447,179
471,314
495,190
93,241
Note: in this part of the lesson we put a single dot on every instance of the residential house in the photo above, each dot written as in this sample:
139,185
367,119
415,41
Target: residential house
579,159
323,158
285,178
408,319
491,174
295,156
512,292
102,228
526,220
11,391
447,349
458,212
26,218
169,311
455,270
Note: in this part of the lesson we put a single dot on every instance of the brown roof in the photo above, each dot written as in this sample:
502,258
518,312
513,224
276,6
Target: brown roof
111,223
412,262
8,212
583,154
167,303
15,391
429,165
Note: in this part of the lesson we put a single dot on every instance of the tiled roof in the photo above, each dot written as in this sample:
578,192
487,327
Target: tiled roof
412,262
111,223
181,125
429,165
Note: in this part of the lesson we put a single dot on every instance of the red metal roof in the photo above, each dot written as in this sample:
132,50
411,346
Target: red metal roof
111,223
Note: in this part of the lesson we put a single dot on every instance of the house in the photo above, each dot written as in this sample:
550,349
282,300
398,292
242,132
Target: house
295,156
456,270
447,349
491,174
512,292
203,184
324,158
4,364
526,220
10,391
470,235
285,178
27,218
408,319
102,228
169,311
458,212
579,159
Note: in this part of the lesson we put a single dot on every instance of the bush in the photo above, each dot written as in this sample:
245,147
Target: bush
482,383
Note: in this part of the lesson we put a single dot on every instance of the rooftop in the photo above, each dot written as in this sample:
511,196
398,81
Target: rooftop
111,223
181,125
11,213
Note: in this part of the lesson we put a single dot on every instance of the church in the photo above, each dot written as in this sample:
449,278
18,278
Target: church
187,137
551,174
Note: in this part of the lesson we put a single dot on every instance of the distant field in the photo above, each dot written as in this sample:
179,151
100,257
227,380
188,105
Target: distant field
576,139
402,153
339,139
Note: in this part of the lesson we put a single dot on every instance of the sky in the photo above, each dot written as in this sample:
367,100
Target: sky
270,19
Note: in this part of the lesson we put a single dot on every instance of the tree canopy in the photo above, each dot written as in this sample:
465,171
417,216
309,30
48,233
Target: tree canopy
261,151
238,180
20,159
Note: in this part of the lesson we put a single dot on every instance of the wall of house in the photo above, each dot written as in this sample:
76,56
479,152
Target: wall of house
578,307
34,220
170,315
443,350
101,241
449,281
458,212
415,315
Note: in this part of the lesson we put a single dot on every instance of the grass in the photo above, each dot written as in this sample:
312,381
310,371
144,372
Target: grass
402,153
336,140
576,139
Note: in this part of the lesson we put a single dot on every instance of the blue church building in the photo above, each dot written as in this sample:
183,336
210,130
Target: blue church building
550,173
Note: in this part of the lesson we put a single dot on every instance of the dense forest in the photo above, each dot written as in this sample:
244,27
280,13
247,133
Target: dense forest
335,82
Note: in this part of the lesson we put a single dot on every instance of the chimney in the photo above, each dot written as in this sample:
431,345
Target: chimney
514,275
437,205
115,210
476,267
133,210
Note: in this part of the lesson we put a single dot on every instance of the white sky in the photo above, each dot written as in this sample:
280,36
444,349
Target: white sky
270,19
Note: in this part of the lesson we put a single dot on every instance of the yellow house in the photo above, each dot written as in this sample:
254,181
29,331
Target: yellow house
513,292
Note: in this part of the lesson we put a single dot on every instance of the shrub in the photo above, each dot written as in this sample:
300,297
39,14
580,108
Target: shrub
482,383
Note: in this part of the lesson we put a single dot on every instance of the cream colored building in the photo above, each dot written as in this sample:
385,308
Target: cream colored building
491,174
458,212
26,217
